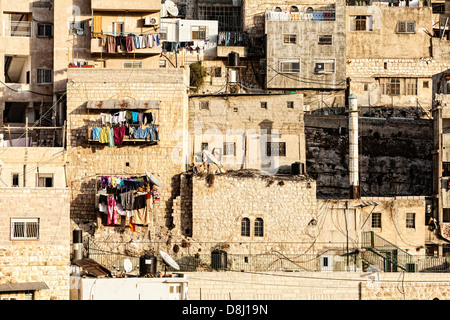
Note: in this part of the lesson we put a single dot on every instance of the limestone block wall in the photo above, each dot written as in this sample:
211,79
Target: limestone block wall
164,160
46,259
316,286
286,206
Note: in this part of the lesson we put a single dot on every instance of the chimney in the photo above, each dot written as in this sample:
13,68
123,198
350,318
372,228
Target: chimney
353,150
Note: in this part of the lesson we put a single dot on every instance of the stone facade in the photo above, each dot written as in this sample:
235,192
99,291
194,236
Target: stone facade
88,161
46,259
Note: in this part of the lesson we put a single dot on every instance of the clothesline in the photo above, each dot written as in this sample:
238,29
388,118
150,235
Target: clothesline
129,42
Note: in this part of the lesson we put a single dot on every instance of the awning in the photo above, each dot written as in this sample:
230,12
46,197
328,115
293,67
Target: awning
25,286
123,104
366,204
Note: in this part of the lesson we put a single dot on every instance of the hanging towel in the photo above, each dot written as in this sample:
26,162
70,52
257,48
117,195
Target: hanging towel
112,211
119,133
135,116
110,138
104,136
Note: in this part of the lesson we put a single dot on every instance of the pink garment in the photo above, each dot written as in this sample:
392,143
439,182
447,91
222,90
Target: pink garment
112,211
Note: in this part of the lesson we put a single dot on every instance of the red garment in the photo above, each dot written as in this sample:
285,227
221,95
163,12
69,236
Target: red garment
119,133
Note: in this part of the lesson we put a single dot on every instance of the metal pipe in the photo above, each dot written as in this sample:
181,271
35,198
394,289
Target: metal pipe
353,147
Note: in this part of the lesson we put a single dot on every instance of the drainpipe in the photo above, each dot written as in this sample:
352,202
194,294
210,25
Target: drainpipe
353,150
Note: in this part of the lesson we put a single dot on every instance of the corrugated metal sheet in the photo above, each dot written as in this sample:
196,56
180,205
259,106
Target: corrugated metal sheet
93,267
123,104
26,286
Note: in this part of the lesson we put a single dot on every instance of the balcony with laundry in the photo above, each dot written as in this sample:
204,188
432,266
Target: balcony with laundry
323,12
135,33
234,41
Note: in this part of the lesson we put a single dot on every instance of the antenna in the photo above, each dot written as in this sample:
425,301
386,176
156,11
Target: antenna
168,261
171,8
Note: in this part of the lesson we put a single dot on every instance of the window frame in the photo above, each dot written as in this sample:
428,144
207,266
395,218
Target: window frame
325,62
245,227
133,64
25,221
290,63
258,227
45,176
404,27
376,220
325,40
289,38
356,23
410,220
202,31
270,149
391,86
46,31
43,77
226,148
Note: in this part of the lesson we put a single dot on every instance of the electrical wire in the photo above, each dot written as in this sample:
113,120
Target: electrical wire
15,90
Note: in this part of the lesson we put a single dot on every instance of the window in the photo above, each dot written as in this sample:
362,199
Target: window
438,7
259,227
410,220
276,149
15,179
376,220
411,86
133,65
361,23
44,30
263,105
199,32
290,104
245,227
366,87
426,84
326,40
204,105
290,39
118,28
289,66
24,228
446,215
390,86
325,66
45,180
228,16
162,63
406,27
44,76
229,148
204,146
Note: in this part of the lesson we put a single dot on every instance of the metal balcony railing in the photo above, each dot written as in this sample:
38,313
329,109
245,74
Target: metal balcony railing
19,29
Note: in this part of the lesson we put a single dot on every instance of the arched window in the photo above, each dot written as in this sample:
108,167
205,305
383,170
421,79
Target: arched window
277,9
245,227
294,9
309,10
259,227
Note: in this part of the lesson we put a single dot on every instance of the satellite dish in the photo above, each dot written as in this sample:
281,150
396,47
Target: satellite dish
171,8
127,266
154,180
168,260
211,157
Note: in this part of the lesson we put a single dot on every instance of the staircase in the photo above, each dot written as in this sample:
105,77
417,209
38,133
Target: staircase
380,252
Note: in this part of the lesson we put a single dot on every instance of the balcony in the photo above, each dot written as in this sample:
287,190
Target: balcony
130,5
121,44
315,15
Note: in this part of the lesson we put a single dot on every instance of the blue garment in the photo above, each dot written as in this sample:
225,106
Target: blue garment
140,133
96,133
152,132
156,38
137,42
134,116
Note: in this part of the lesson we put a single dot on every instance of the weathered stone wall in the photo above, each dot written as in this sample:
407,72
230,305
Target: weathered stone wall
395,156
164,160
46,259
316,286
285,203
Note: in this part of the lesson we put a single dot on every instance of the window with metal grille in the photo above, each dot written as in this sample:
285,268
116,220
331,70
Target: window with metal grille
199,32
228,16
44,30
133,65
410,220
376,220
290,39
325,39
406,27
289,66
229,148
259,227
44,76
204,105
360,23
390,86
245,227
274,149
163,33
24,228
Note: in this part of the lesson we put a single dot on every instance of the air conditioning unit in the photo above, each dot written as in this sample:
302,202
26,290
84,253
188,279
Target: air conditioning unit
151,21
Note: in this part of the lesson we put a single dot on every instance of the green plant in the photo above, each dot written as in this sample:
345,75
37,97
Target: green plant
197,76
